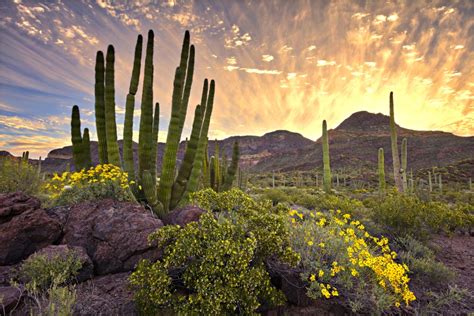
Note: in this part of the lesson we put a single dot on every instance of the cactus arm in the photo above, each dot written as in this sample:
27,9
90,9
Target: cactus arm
100,107
154,140
128,162
76,139
150,194
404,165
86,148
110,124
229,179
146,116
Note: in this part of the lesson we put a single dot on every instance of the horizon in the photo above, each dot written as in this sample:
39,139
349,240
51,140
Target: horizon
339,58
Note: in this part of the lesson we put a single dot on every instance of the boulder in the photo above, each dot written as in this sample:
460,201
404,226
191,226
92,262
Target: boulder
105,295
87,270
113,233
26,233
183,216
12,204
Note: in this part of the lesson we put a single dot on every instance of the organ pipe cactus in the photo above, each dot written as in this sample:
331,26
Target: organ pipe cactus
326,163
395,154
100,107
174,185
76,138
381,171
86,149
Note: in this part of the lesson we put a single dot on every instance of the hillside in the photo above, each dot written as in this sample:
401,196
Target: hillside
353,144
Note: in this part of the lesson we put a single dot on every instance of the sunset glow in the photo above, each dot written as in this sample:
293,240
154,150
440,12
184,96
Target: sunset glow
277,65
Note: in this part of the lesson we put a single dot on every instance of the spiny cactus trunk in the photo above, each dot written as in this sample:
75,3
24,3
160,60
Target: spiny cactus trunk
110,124
128,162
154,141
145,147
326,162
76,139
86,148
178,115
217,171
100,107
404,165
395,156
381,171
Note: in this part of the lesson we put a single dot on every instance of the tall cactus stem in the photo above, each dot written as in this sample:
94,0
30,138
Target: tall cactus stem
100,107
395,155
110,124
381,171
326,162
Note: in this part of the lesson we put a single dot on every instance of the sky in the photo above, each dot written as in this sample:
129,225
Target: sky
278,64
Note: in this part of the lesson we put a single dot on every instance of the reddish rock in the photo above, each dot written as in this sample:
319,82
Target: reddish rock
12,204
26,233
183,216
9,298
105,295
113,233
87,270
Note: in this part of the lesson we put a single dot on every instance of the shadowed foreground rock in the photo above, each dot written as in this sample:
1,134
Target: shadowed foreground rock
113,233
25,228
183,216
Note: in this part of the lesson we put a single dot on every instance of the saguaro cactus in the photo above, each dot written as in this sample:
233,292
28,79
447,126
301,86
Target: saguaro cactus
395,155
86,149
110,124
381,171
100,106
326,162
404,165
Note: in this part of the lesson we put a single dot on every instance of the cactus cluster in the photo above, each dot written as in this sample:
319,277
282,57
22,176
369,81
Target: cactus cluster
81,147
216,173
165,194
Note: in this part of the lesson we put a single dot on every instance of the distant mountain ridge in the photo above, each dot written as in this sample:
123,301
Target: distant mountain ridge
353,144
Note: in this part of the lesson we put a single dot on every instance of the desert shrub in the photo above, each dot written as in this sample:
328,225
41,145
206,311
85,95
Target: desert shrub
17,175
451,301
339,258
407,215
216,266
102,181
47,285
424,268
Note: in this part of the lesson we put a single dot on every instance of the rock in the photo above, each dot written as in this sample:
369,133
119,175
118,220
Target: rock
26,233
12,204
9,298
59,213
183,216
113,233
105,295
87,270
6,273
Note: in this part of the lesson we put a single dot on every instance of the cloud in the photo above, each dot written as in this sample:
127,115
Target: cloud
267,58
322,63
231,60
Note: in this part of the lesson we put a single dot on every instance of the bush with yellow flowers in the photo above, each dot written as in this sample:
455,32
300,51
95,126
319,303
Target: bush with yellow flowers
101,181
216,266
340,259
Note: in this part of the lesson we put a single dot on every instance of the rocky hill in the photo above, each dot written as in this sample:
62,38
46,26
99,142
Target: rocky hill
353,145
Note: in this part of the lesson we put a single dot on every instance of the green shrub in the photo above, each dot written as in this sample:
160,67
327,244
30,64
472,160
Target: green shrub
215,266
102,181
424,268
339,258
404,215
17,175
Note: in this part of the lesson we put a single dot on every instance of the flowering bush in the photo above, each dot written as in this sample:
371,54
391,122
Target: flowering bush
216,266
340,258
17,175
102,181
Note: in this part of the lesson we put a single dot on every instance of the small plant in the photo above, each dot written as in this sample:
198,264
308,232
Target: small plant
18,175
102,181
47,283
215,266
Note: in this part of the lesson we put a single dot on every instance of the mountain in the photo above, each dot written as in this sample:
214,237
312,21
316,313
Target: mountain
353,146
